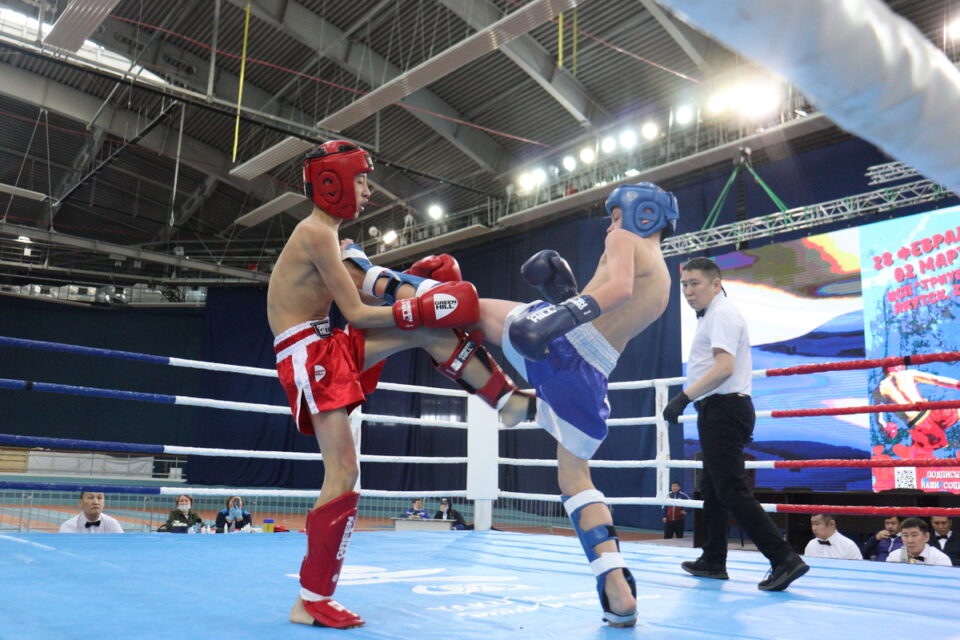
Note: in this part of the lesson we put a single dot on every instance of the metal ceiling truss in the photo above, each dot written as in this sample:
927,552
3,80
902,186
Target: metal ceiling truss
89,150
393,84
856,206
194,201
534,60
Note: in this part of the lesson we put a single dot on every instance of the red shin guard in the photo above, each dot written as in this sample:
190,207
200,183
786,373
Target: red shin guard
328,534
498,385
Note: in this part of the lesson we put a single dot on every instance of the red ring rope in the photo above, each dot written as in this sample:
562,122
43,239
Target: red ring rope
874,408
923,358
866,511
870,464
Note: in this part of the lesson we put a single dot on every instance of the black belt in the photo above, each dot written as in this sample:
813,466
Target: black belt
703,401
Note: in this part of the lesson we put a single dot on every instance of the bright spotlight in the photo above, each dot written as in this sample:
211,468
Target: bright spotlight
24,239
649,130
539,176
683,115
953,29
608,144
587,155
757,100
718,103
628,139
525,181
435,211
569,163
631,173
390,237
373,232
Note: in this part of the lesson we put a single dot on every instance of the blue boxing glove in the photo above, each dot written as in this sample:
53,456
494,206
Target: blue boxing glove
551,275
531,334
236,514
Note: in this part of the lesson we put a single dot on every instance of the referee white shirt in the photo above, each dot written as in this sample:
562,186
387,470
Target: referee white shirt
929,555
78,524
840,547
722,327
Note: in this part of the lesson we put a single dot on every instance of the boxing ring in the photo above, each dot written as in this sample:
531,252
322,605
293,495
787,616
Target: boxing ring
462,583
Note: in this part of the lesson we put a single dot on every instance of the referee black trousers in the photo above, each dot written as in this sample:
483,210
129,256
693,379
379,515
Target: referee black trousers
725,424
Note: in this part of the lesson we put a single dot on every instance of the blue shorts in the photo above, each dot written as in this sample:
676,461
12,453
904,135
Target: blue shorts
571,383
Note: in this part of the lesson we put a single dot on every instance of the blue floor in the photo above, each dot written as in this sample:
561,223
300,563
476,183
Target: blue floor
441,585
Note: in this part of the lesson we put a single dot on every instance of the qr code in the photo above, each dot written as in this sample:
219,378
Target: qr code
905,478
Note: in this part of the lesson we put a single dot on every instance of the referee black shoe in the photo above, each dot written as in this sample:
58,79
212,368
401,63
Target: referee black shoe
701,569
782,574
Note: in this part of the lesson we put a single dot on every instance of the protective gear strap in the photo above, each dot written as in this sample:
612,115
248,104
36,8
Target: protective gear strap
601,563
329,527
498,386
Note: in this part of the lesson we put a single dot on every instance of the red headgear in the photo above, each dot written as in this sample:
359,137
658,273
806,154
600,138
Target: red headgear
328,175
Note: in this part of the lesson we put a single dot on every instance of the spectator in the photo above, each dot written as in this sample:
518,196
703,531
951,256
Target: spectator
91,518
673,517
879,546
183,517
828,542
915,534
943,538
446,512
416,510
233,516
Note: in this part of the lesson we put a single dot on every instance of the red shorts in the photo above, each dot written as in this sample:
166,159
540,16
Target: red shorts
323,367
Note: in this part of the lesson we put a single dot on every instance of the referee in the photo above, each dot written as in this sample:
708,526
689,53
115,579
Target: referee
719,376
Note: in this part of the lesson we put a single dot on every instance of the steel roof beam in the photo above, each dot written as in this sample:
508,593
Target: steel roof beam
534,60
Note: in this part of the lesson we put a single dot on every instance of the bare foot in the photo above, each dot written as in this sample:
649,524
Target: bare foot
620,597
299,615
515,411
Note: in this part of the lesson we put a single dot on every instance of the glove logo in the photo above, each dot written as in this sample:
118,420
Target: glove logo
443,305
318,373
542,314
406,310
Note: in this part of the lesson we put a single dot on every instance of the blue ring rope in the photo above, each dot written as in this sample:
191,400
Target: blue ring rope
88,445
63,486
49,387
89,351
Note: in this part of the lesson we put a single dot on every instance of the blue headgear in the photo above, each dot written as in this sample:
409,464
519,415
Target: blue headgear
645,207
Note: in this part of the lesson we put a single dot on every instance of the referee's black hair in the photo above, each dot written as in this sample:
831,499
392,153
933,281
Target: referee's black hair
708,266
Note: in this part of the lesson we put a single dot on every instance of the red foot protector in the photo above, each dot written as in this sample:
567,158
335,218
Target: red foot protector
328,534
330,613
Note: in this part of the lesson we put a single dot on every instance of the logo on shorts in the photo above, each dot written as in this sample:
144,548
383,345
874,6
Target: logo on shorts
318,373
443,305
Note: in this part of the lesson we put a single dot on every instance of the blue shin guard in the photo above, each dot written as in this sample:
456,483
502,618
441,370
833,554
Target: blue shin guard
355,254
601,563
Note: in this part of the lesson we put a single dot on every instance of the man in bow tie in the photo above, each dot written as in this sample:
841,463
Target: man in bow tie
915,550
828,542
91,518
943,538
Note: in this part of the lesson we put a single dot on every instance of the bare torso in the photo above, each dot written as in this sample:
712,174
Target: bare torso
651,292
297,292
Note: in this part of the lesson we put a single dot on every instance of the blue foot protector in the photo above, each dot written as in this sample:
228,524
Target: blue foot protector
601,563
355,254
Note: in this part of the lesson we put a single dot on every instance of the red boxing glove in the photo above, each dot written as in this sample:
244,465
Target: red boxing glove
447,305
443,267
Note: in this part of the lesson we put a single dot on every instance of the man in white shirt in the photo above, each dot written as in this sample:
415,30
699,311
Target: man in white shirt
91,518
830,543
915,534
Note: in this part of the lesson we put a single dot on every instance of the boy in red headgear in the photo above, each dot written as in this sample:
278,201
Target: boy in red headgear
328,372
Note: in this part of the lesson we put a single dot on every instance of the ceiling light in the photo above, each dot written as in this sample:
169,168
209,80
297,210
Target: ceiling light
373,232
24,239
649,130
718,103
587,155
628,139
683,115
755,100
390,237
631,172
608,145
435,211
953,29
569,163
539,176
525,181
